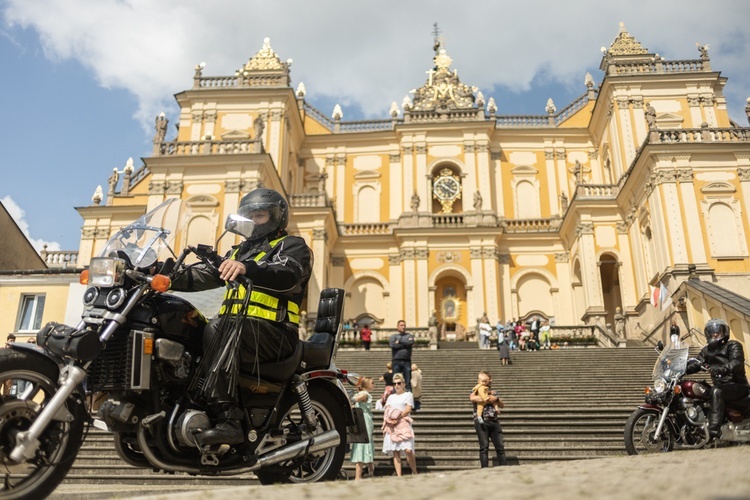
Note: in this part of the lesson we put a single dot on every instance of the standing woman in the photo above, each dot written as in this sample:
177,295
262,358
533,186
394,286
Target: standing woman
398,434
364,453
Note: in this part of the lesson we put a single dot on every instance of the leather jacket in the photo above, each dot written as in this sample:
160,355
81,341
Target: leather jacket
283,272
729,359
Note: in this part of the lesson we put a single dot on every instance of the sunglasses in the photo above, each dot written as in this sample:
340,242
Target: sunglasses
398,383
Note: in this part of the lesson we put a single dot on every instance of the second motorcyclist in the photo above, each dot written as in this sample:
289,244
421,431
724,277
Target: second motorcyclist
725,361
279,266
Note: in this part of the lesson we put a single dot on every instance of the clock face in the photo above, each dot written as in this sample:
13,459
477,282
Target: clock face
446,188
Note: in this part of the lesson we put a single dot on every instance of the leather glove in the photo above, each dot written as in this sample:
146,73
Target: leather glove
718,371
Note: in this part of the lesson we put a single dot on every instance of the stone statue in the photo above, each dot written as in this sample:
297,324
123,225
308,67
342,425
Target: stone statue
703,49
650,116
112,181
161,128
747,110
432,329
578,172
322,182
97,197
564,202
258,127
478,201
415,202
619,323
303,325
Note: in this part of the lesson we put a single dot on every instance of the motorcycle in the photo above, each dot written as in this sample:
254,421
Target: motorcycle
137,351
676,409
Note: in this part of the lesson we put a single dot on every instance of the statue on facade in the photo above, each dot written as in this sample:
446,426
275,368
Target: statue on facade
747,110
322,182
478,201
432,329
650,116
564,202
703,49
415,202
112,181
161,128
258,127
578,172
619,323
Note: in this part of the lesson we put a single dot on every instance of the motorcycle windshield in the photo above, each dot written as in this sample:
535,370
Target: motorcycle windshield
672,363
148,239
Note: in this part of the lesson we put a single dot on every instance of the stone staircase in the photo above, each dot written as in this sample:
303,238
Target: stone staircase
560,405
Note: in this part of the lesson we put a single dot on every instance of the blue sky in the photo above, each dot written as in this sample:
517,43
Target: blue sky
84,79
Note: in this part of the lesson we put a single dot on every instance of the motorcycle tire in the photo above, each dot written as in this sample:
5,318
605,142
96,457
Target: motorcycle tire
323,466
639,434
27,383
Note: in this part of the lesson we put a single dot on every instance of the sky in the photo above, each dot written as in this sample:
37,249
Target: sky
84,79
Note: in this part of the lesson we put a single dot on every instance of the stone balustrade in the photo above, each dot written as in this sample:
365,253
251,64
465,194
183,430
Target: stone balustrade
447,220
531,225
365,228
209,146
444,116
596,191
703,134
657,66
381,335
250,80
59,258
308,200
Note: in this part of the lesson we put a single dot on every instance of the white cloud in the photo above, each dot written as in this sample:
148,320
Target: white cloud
19,215
368,54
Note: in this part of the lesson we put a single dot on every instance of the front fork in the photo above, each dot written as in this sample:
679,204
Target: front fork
662,419
27,442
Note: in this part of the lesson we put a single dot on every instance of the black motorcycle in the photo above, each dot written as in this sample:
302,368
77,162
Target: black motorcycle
137,354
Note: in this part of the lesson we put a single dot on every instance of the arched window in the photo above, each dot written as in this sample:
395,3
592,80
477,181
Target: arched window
723,229
534,294
368,204
527,201
367,299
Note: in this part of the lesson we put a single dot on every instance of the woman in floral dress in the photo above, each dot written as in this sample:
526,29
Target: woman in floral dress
363,453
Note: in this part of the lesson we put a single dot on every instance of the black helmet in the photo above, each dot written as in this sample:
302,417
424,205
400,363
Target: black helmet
716,332
271,201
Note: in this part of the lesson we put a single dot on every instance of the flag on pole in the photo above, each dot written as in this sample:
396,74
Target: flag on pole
655,296
665,298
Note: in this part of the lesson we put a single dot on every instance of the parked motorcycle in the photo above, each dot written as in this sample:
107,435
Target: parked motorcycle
675,412
137,351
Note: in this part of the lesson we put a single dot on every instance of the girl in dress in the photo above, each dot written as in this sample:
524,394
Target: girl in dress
364,453
398,434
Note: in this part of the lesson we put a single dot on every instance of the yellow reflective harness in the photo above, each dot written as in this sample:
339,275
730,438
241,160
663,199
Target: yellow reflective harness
261,305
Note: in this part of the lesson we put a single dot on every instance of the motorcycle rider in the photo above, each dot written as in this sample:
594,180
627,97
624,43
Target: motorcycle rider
279,266
726,362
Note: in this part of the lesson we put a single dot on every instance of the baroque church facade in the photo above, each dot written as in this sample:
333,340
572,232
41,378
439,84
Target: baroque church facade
576,216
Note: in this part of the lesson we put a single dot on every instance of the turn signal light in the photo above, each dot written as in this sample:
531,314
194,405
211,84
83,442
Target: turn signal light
647,390
148,346
84,277
160,283
677,389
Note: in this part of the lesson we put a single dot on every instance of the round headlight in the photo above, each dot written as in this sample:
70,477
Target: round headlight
90,295
115,298
660,385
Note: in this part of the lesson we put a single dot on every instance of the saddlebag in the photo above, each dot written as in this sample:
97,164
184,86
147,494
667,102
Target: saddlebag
64,341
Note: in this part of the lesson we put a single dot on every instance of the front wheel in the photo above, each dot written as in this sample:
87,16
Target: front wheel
27,384
321,466
640,433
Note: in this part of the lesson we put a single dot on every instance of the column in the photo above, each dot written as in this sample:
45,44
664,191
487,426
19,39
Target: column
273,134
196,123
394,185
407,178
337,272
423,285
641,131
503,260
627,280
553,188
341,194
318,278
696,116
483,175
499,206
627,129
477,277
489,256
696,248
589,266
673,215
743,172
566,309
418,177
469,182
708,110
410,285
560,156
396,279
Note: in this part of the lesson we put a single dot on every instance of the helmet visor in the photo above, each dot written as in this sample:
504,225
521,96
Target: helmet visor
266,216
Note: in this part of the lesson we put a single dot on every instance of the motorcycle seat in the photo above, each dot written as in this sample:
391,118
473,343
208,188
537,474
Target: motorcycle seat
280,371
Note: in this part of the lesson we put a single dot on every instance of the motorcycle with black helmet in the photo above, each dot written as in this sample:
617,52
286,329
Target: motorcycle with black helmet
165,387
689,414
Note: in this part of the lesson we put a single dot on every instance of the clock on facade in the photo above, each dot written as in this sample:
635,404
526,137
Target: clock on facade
447,189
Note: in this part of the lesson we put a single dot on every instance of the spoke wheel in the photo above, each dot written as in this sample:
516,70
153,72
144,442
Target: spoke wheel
321,466
27,384
640,434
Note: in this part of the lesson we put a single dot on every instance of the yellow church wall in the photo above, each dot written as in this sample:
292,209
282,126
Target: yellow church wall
55,302
581,118
312,127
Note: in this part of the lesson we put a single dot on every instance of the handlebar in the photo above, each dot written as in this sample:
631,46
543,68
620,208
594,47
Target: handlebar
208,256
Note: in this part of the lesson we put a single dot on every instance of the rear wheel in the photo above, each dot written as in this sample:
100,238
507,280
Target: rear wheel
320,466
27,384
640,434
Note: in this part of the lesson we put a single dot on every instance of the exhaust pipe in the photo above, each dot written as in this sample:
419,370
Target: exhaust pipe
317,443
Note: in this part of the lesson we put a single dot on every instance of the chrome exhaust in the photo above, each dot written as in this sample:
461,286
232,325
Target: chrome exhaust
317,443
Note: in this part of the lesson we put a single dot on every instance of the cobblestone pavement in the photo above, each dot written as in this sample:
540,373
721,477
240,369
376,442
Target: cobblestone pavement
684,474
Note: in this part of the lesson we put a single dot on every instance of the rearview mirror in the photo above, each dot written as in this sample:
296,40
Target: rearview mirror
239,225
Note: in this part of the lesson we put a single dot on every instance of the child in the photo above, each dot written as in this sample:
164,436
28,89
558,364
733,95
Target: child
482,389
362,454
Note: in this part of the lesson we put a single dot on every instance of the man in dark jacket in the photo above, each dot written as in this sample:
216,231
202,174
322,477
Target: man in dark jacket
401,344
279,266
725,360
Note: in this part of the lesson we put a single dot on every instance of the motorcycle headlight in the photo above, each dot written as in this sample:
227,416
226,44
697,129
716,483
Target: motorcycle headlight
106,272
660,385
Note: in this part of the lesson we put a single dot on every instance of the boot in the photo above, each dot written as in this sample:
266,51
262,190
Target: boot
228,429
716,416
